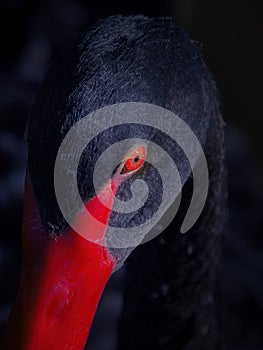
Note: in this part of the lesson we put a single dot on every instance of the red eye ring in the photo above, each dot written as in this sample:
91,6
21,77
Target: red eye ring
135,161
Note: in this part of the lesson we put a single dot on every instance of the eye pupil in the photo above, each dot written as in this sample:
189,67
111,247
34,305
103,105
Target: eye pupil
135,161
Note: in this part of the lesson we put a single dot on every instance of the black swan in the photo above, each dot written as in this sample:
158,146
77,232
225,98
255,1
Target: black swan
171,294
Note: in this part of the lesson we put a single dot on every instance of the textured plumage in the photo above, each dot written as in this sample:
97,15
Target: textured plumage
119,60
171,293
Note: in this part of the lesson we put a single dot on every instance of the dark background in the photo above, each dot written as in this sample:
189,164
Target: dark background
32,33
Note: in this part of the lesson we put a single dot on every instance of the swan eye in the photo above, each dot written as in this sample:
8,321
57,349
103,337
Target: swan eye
135,160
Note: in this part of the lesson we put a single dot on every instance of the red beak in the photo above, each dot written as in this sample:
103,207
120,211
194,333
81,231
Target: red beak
61,283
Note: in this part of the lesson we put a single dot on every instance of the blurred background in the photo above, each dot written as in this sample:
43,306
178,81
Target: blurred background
34,32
